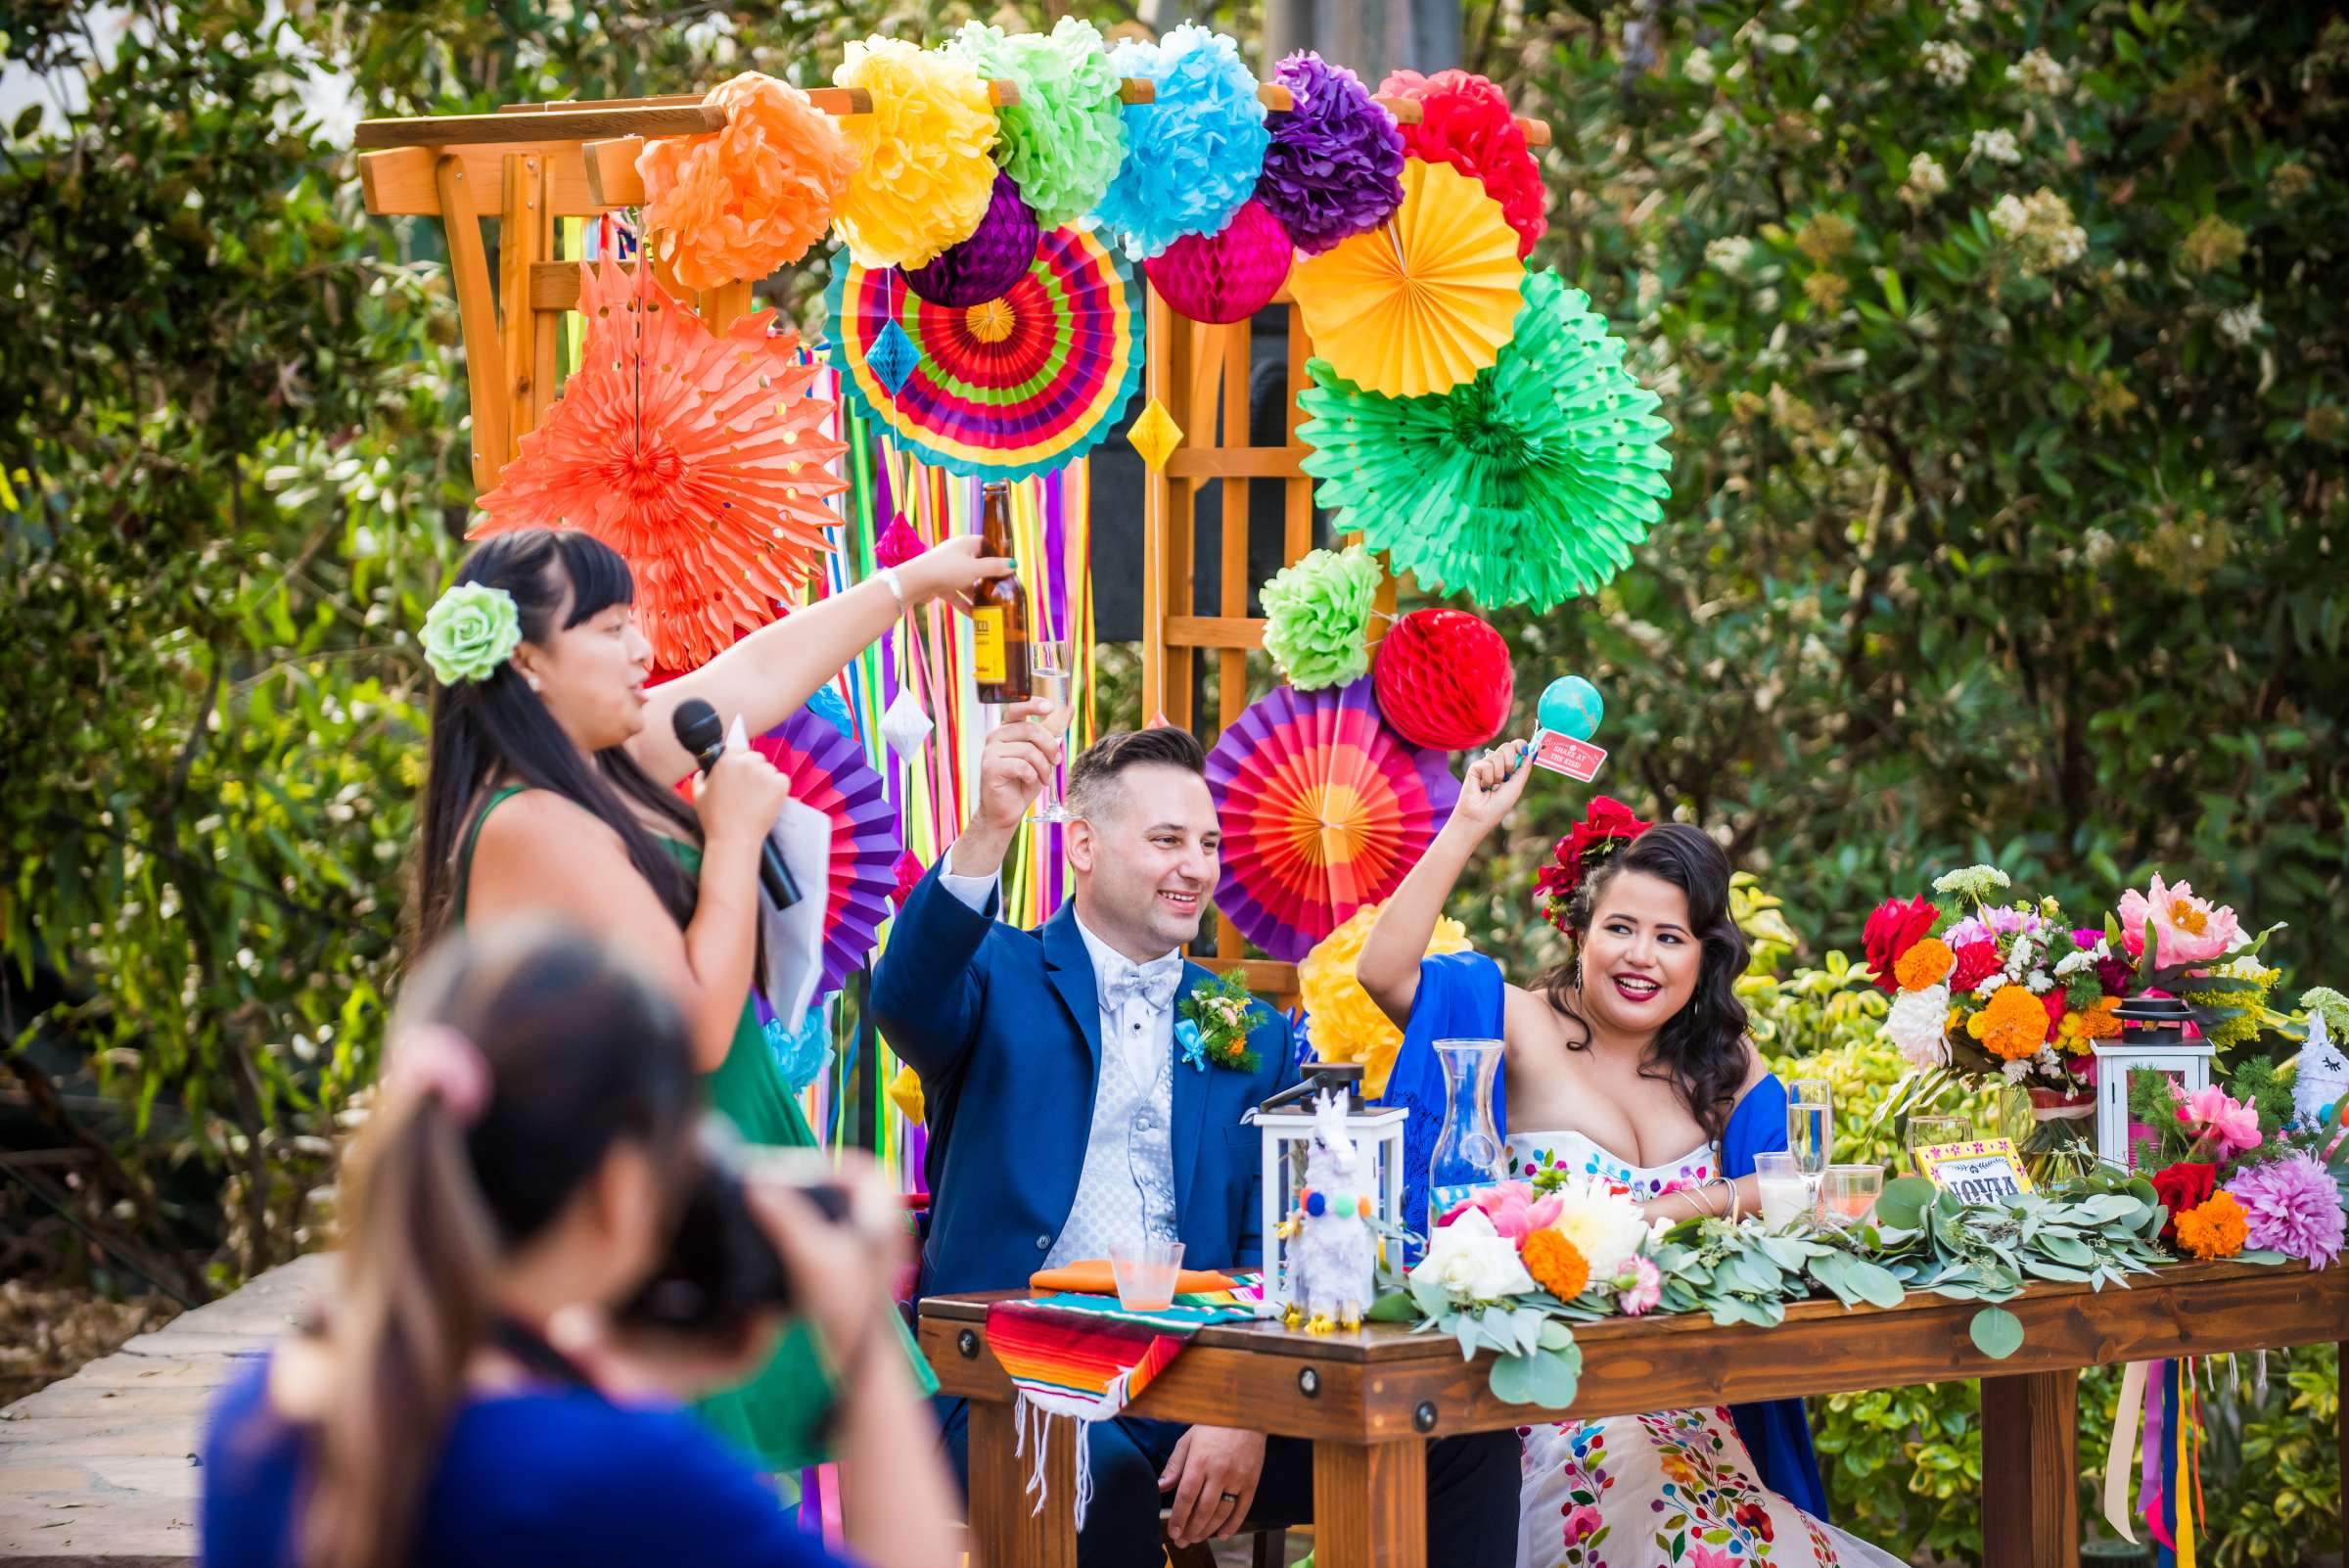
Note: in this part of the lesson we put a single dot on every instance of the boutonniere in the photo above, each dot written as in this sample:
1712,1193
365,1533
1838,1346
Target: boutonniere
1213,1028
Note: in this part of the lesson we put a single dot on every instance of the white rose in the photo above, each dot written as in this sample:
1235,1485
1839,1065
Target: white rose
1473,1262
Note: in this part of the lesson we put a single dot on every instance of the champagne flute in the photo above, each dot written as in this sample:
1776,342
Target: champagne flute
1811,1127
1053,676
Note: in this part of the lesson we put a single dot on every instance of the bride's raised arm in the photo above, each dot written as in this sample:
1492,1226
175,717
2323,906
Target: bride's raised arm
1389,968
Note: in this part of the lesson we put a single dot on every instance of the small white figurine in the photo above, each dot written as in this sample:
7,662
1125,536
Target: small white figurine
2323,1076
1334,1251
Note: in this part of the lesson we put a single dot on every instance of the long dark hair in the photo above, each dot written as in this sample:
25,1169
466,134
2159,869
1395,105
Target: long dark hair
1701,1048
583,1054
484,732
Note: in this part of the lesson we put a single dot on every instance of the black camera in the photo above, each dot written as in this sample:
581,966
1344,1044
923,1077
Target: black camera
720,1271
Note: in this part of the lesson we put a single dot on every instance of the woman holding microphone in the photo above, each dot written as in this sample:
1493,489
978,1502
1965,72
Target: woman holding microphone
550,791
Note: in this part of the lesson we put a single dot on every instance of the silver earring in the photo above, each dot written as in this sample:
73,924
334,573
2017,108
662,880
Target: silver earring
534,680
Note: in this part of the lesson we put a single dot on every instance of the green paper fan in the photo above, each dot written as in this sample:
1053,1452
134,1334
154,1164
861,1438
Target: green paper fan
1526,485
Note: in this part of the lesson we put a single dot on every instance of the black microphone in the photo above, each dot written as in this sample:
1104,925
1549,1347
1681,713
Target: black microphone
700,732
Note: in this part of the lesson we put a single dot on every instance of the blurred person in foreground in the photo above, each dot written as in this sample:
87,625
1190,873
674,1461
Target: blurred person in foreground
474,1393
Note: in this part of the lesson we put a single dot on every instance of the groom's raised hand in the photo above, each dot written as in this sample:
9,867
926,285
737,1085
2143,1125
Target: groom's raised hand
1014,765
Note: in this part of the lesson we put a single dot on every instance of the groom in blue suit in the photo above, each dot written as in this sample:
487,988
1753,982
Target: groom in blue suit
1064,1117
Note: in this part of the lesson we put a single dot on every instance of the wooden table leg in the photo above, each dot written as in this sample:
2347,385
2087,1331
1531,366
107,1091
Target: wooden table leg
2342,1430
2030,1470
1006,1531
1371,1504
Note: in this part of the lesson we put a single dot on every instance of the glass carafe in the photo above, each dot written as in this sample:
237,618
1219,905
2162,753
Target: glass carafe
1470,1155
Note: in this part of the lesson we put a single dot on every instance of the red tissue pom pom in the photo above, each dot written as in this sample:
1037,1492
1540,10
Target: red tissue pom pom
1227,276
1466,123
1443,679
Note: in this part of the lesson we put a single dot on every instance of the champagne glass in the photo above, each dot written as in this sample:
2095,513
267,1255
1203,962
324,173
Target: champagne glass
1811,1127
1052,675
1930,1132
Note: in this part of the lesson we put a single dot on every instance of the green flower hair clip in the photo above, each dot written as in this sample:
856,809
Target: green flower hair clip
469,631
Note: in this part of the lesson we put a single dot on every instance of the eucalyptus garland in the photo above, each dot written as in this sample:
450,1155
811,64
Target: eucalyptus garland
2097,1230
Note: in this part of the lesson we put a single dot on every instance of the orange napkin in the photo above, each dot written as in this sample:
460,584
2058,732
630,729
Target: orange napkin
1093,1277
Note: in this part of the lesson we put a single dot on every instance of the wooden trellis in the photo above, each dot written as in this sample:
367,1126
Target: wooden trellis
530,164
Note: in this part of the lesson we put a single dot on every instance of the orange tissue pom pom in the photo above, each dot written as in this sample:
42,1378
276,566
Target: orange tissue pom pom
751,197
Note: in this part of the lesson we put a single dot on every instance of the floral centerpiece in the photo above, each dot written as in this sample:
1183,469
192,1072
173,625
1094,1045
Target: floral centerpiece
2240,1171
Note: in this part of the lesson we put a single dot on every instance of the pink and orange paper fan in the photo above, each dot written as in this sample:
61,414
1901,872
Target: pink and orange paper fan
699,458
829,772
751,197
1323,809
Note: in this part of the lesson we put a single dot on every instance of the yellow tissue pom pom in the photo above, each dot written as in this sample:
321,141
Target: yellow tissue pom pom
1341,1022
925,177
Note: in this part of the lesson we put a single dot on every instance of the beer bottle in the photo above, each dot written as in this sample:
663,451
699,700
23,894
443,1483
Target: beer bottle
1000,623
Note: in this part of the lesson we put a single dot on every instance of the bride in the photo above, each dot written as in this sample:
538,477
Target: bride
1629,1062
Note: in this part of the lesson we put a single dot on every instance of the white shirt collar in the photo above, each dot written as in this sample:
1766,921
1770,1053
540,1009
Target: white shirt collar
1104,955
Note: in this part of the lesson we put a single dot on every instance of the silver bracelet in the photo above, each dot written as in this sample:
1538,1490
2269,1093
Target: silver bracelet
889,575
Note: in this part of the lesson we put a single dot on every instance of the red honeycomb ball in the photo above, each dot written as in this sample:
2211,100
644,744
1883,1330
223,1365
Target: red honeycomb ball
1444,680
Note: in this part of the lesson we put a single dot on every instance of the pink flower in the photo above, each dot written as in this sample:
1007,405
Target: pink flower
1581,1520
1513,1208
1646,1288
2291,1206
2231,1127
1706,1557
2187,930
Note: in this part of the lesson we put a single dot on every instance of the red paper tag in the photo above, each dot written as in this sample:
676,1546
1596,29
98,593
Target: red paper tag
1563,754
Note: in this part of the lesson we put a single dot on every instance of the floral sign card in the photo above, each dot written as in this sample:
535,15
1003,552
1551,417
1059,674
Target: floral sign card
1980,1171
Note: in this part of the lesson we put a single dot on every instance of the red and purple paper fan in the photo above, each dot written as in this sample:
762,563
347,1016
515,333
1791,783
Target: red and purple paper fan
828,772
1324,808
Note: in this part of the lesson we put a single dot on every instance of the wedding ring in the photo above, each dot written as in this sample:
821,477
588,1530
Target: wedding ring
1231,1496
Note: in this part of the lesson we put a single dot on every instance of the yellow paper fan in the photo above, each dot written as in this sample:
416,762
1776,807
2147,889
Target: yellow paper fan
1424,302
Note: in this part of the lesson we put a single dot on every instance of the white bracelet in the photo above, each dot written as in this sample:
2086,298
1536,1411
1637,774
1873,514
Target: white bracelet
889,575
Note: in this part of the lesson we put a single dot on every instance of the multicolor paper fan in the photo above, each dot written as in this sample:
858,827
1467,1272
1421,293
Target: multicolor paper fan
828,772
701,458
1323,809
1422,303
1527,486
1015,385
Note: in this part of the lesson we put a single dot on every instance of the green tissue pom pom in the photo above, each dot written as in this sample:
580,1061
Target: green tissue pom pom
470,630
1317,617
1063,141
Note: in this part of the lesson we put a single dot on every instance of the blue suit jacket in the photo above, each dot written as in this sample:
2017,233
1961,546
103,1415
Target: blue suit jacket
1004,1028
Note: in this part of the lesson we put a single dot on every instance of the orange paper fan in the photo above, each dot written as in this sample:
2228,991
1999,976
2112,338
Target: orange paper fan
699,458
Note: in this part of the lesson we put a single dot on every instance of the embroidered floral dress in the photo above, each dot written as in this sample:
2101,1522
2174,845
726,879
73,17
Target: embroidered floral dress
1675,1489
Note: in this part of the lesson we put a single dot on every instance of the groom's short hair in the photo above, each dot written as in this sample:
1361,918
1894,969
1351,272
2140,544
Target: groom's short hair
1094,774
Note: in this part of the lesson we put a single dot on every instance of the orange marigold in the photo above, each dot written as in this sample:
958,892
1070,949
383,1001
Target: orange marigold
1927,963
2012,1023
2092,1023
1556,1264
2214,1229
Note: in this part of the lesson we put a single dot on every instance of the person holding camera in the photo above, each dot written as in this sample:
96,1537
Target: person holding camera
550,791
494,1381
1064,1119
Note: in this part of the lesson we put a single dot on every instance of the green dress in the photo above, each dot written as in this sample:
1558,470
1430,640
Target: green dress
778,1416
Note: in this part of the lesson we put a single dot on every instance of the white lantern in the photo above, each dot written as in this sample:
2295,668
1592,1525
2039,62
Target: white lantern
2153,1040
1286,1125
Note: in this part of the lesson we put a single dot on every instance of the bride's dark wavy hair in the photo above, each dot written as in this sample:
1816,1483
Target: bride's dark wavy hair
1701,1048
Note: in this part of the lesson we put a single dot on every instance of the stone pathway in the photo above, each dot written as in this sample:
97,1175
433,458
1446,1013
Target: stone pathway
100,1469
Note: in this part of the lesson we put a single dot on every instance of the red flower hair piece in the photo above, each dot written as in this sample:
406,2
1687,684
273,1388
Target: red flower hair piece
1606,826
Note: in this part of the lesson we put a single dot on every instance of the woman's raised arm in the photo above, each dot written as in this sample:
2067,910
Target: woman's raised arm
767,675
1389,968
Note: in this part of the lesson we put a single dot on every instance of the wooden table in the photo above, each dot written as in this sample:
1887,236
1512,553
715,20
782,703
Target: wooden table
1370,1401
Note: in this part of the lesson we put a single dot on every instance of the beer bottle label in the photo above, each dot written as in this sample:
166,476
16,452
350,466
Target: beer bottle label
987,645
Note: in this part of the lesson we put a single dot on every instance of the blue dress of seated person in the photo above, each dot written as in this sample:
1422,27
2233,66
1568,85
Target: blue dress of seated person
1648,1481
540,1476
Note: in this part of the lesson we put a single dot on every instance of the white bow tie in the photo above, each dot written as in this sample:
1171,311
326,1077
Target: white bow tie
1152,984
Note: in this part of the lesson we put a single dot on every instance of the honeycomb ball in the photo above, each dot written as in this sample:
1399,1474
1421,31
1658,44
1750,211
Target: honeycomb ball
1443,679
